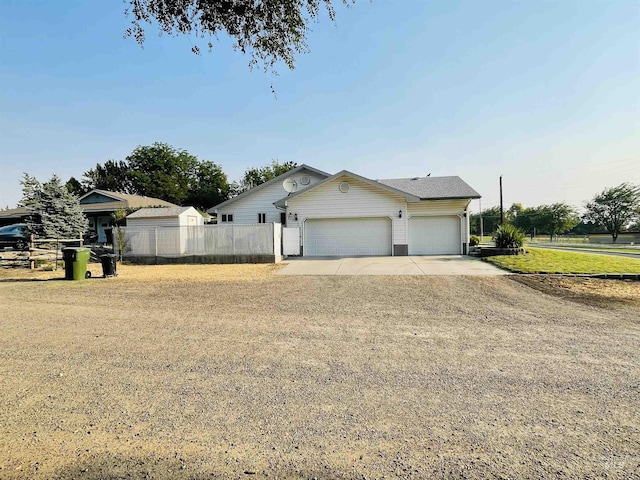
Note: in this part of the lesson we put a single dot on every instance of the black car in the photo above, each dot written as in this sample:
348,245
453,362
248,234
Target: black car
15,236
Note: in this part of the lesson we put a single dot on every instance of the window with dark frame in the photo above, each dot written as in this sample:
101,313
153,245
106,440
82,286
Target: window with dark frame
262,218
227,217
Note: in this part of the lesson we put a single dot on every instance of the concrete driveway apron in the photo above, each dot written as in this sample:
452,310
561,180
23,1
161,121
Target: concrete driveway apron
427,265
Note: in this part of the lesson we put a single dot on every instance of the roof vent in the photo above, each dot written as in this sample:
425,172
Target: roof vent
415,178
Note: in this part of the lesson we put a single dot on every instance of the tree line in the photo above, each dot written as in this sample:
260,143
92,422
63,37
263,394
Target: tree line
158,170
162,171
612,211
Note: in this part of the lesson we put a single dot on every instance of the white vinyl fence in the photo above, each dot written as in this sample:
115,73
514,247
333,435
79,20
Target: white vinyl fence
203,240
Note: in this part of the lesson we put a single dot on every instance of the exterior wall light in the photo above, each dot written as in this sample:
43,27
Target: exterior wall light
400,214
295,217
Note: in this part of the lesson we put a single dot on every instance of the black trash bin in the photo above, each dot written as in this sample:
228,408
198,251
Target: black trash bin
109,265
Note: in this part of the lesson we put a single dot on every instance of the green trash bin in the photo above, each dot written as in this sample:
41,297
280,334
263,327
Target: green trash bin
75,263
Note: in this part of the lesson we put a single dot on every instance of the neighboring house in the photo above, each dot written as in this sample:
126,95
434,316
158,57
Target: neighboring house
257,204
98,205
13,215
347,214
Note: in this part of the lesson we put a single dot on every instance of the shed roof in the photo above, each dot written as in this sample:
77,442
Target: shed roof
161,212
433,188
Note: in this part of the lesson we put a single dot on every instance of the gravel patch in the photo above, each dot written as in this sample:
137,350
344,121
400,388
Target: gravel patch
237,375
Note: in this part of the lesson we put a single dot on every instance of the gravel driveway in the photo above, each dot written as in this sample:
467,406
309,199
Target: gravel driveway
317,377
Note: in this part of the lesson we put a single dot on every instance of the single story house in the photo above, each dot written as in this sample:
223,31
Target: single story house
347,214
97,205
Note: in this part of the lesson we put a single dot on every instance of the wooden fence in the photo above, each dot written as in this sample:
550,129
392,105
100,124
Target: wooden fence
46,249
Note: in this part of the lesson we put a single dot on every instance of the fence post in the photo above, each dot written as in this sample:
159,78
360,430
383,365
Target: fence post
155,241
233,238
31,247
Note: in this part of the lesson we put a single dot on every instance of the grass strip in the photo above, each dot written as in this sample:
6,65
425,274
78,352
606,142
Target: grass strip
539,260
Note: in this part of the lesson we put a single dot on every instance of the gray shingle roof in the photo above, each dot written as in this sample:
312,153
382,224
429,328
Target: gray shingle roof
158,212
409,196
433,188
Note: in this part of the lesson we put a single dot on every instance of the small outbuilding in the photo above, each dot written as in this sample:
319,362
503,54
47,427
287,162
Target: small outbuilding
172,228
165,217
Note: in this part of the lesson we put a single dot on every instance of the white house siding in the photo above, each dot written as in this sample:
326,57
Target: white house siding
361,201
153,222
443,208
246,210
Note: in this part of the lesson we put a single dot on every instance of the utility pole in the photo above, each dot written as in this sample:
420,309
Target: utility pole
481,226
501,206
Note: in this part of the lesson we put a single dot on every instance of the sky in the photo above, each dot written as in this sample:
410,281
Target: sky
545,93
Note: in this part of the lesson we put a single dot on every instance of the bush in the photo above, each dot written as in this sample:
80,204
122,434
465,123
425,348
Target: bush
508,236
474,240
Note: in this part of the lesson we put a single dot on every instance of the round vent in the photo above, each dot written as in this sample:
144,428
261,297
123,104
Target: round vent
344,187
305,180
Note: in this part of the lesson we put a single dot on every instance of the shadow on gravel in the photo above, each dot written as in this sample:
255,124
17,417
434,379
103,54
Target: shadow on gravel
26,280
118,467
17,280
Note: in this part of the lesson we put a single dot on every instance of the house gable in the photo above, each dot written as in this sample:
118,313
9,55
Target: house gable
260,200
98,197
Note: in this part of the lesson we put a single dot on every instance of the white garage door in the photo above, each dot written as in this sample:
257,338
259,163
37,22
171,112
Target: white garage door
434,236
347,236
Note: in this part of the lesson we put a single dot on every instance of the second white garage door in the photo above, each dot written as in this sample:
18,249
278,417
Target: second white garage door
347,236
434,235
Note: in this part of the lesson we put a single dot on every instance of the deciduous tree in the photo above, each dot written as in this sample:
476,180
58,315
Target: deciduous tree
269,31
162,171
615,208
208,186
555,219
113,176
257,175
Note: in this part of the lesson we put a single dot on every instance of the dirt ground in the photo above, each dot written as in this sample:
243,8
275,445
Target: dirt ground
200,372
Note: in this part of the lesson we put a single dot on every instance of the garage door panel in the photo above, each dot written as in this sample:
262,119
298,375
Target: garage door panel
434,235
348,236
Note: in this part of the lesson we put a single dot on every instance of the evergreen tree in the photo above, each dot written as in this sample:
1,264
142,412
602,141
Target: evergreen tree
54,212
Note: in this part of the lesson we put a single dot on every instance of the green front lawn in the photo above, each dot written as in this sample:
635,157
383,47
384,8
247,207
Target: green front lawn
539,260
